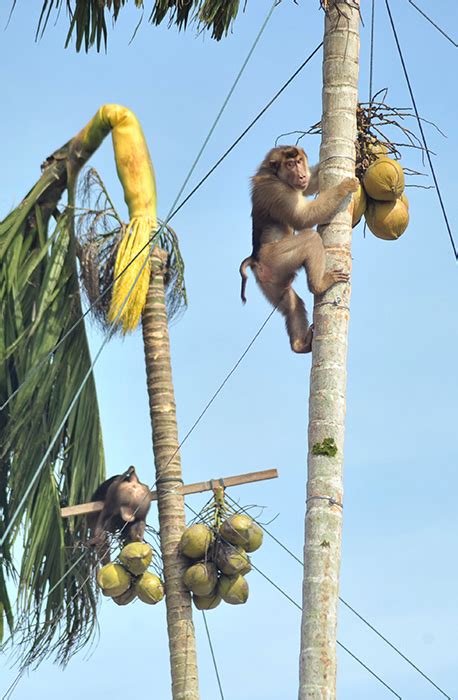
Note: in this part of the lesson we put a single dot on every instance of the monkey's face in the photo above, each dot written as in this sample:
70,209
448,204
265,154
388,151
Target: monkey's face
291,165
296,172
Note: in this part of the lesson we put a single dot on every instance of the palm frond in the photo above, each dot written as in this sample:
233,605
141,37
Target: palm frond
88,18
40,302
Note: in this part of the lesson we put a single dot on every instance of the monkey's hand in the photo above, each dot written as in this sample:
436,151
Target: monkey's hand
348,185
339,276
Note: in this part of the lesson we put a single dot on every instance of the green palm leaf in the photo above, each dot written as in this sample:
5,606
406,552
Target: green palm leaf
55,612
88,18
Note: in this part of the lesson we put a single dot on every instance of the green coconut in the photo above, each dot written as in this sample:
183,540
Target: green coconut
233,589
126,597
359,205
149,588
136,557
387,220
196,540
384,179
206,602
201,578
242,530
232,559
113,579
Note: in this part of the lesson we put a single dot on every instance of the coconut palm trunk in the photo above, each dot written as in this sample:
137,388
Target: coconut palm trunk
180,627
323,520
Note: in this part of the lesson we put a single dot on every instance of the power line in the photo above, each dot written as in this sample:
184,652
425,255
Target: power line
368,669
73,402
433,23
151,240
86,377
387,641
299,607
420,127
355,612
250,125
171,213
170,459
180,192
213,656
371,62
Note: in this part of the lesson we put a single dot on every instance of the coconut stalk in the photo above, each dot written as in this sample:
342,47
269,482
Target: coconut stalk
182,647
323,520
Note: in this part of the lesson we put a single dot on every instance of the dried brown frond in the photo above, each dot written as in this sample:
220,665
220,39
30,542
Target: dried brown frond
99,230
377,123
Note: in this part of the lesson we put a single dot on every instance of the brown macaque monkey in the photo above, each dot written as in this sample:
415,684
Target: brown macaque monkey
279,208
126,502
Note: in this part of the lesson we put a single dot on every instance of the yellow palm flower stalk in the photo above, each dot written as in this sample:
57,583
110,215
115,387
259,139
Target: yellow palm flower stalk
135,171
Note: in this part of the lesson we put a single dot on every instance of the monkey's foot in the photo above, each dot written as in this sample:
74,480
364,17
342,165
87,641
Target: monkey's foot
303,345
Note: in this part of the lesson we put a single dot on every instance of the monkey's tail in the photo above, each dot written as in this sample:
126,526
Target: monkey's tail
248,262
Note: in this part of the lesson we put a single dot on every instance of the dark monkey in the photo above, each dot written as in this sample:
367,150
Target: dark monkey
279,207
126,502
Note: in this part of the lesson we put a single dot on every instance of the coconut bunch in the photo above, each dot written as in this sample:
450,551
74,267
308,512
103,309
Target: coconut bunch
218,560
128,578
380,197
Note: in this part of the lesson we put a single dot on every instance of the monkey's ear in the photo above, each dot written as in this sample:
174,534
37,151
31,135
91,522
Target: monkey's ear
274,164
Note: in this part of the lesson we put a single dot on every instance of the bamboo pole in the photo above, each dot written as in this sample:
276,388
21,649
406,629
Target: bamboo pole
323,521
186,489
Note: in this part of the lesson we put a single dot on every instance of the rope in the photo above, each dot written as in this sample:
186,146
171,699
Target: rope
236,142
363,619
420,127
213,656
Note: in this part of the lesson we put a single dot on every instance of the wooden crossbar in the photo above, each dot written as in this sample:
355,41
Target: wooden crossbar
199,487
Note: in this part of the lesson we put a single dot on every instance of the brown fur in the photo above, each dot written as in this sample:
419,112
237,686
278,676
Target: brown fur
126,502
279,208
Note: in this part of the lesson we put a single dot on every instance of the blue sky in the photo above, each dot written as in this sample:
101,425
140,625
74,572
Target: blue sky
400,521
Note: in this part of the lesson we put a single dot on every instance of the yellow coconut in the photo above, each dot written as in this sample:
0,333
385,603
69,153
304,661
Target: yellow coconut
126,597
240,529
195,541
232,559
149,588
359,205
384,179
233,589
201,578
206,602
404,200
136,557
113,579
387,220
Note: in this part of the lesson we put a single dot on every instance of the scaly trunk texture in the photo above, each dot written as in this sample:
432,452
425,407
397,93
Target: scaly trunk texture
323,520
183,660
